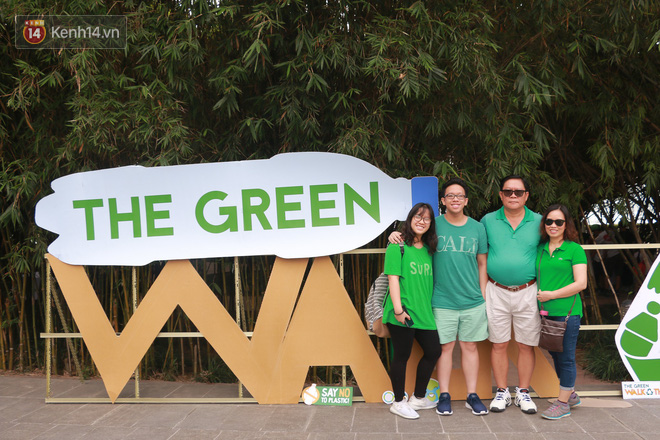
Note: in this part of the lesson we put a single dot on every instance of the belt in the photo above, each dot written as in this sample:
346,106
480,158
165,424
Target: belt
512,288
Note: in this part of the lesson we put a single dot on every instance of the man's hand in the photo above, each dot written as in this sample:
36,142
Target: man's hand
395,237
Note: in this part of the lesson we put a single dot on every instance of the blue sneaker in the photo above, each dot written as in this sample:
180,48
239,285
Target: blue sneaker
444,405
474,403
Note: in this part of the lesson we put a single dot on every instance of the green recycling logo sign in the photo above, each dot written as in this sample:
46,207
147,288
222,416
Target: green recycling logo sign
637,336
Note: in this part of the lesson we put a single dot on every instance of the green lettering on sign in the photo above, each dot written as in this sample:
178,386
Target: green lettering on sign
132,216
88,206
284,207
318,205
153,215
372,208
230,211
259,210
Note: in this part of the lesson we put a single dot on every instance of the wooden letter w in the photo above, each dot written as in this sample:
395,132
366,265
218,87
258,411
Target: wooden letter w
324,329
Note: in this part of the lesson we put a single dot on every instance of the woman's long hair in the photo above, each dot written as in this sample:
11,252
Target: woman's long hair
430,237
570,233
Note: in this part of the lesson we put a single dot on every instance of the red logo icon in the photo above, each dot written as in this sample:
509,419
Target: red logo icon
34,31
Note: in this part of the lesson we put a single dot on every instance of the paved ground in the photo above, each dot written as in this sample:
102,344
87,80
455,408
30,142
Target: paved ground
24,415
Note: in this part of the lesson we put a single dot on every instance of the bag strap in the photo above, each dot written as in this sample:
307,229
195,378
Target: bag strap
538,278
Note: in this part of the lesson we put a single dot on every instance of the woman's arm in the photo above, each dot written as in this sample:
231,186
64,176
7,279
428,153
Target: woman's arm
395,295
580,283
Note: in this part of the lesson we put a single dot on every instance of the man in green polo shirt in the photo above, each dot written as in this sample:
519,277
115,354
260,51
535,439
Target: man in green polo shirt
513,237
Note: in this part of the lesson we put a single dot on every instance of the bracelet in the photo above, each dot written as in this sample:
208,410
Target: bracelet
397,314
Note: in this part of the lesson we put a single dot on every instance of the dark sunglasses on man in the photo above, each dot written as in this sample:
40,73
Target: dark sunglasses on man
510,192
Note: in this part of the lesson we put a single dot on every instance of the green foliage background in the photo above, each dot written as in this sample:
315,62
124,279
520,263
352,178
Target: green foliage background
562,92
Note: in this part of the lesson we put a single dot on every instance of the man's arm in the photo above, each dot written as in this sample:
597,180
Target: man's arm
395,237
483,272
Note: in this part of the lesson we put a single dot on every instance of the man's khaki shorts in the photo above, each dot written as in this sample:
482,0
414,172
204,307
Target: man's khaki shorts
504,307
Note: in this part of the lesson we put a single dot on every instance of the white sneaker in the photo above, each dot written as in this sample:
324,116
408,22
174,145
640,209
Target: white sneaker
404,410
424,403
501,401
525,402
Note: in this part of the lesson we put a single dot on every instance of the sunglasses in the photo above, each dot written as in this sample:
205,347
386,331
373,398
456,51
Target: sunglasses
549,221
510,192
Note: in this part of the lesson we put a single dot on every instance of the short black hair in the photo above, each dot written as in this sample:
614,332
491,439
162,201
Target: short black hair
454,181
515,176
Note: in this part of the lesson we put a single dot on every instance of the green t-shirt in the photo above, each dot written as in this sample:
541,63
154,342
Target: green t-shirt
556,271
455,268
415,271
512,253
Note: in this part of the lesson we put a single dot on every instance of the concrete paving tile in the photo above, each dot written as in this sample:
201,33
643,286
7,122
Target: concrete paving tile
544,426
424,436
210,417
291,418
20,408
150,433
91,388
162,416
465,436
87,414
282,435
247,417
108,433
517,436
224,390
464,422
197,390
195,434
373,417
123,415
511,420
378,436
332,436
22,431
620,436
69,432
331,419
428,421
17,386
49,413
238,435
596,420
635,418
158,388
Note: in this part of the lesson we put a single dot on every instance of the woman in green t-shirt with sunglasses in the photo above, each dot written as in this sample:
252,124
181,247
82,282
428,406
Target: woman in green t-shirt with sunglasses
561,275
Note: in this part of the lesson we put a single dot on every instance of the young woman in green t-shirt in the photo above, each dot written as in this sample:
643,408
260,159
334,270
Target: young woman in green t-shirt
407,311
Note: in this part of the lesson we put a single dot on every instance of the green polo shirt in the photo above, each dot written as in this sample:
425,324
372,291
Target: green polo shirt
556,271
415,271
512,253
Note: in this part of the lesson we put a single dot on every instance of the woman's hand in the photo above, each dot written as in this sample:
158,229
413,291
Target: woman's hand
545,295
402,317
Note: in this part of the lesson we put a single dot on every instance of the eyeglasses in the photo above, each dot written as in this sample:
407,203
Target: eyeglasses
549,221
419,218
455,196
517,192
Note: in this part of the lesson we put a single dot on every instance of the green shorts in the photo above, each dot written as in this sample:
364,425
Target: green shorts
470,325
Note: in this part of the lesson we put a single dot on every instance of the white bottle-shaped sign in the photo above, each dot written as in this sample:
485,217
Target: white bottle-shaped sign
293,205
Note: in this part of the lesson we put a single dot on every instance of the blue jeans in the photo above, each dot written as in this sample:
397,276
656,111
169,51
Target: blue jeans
565,361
